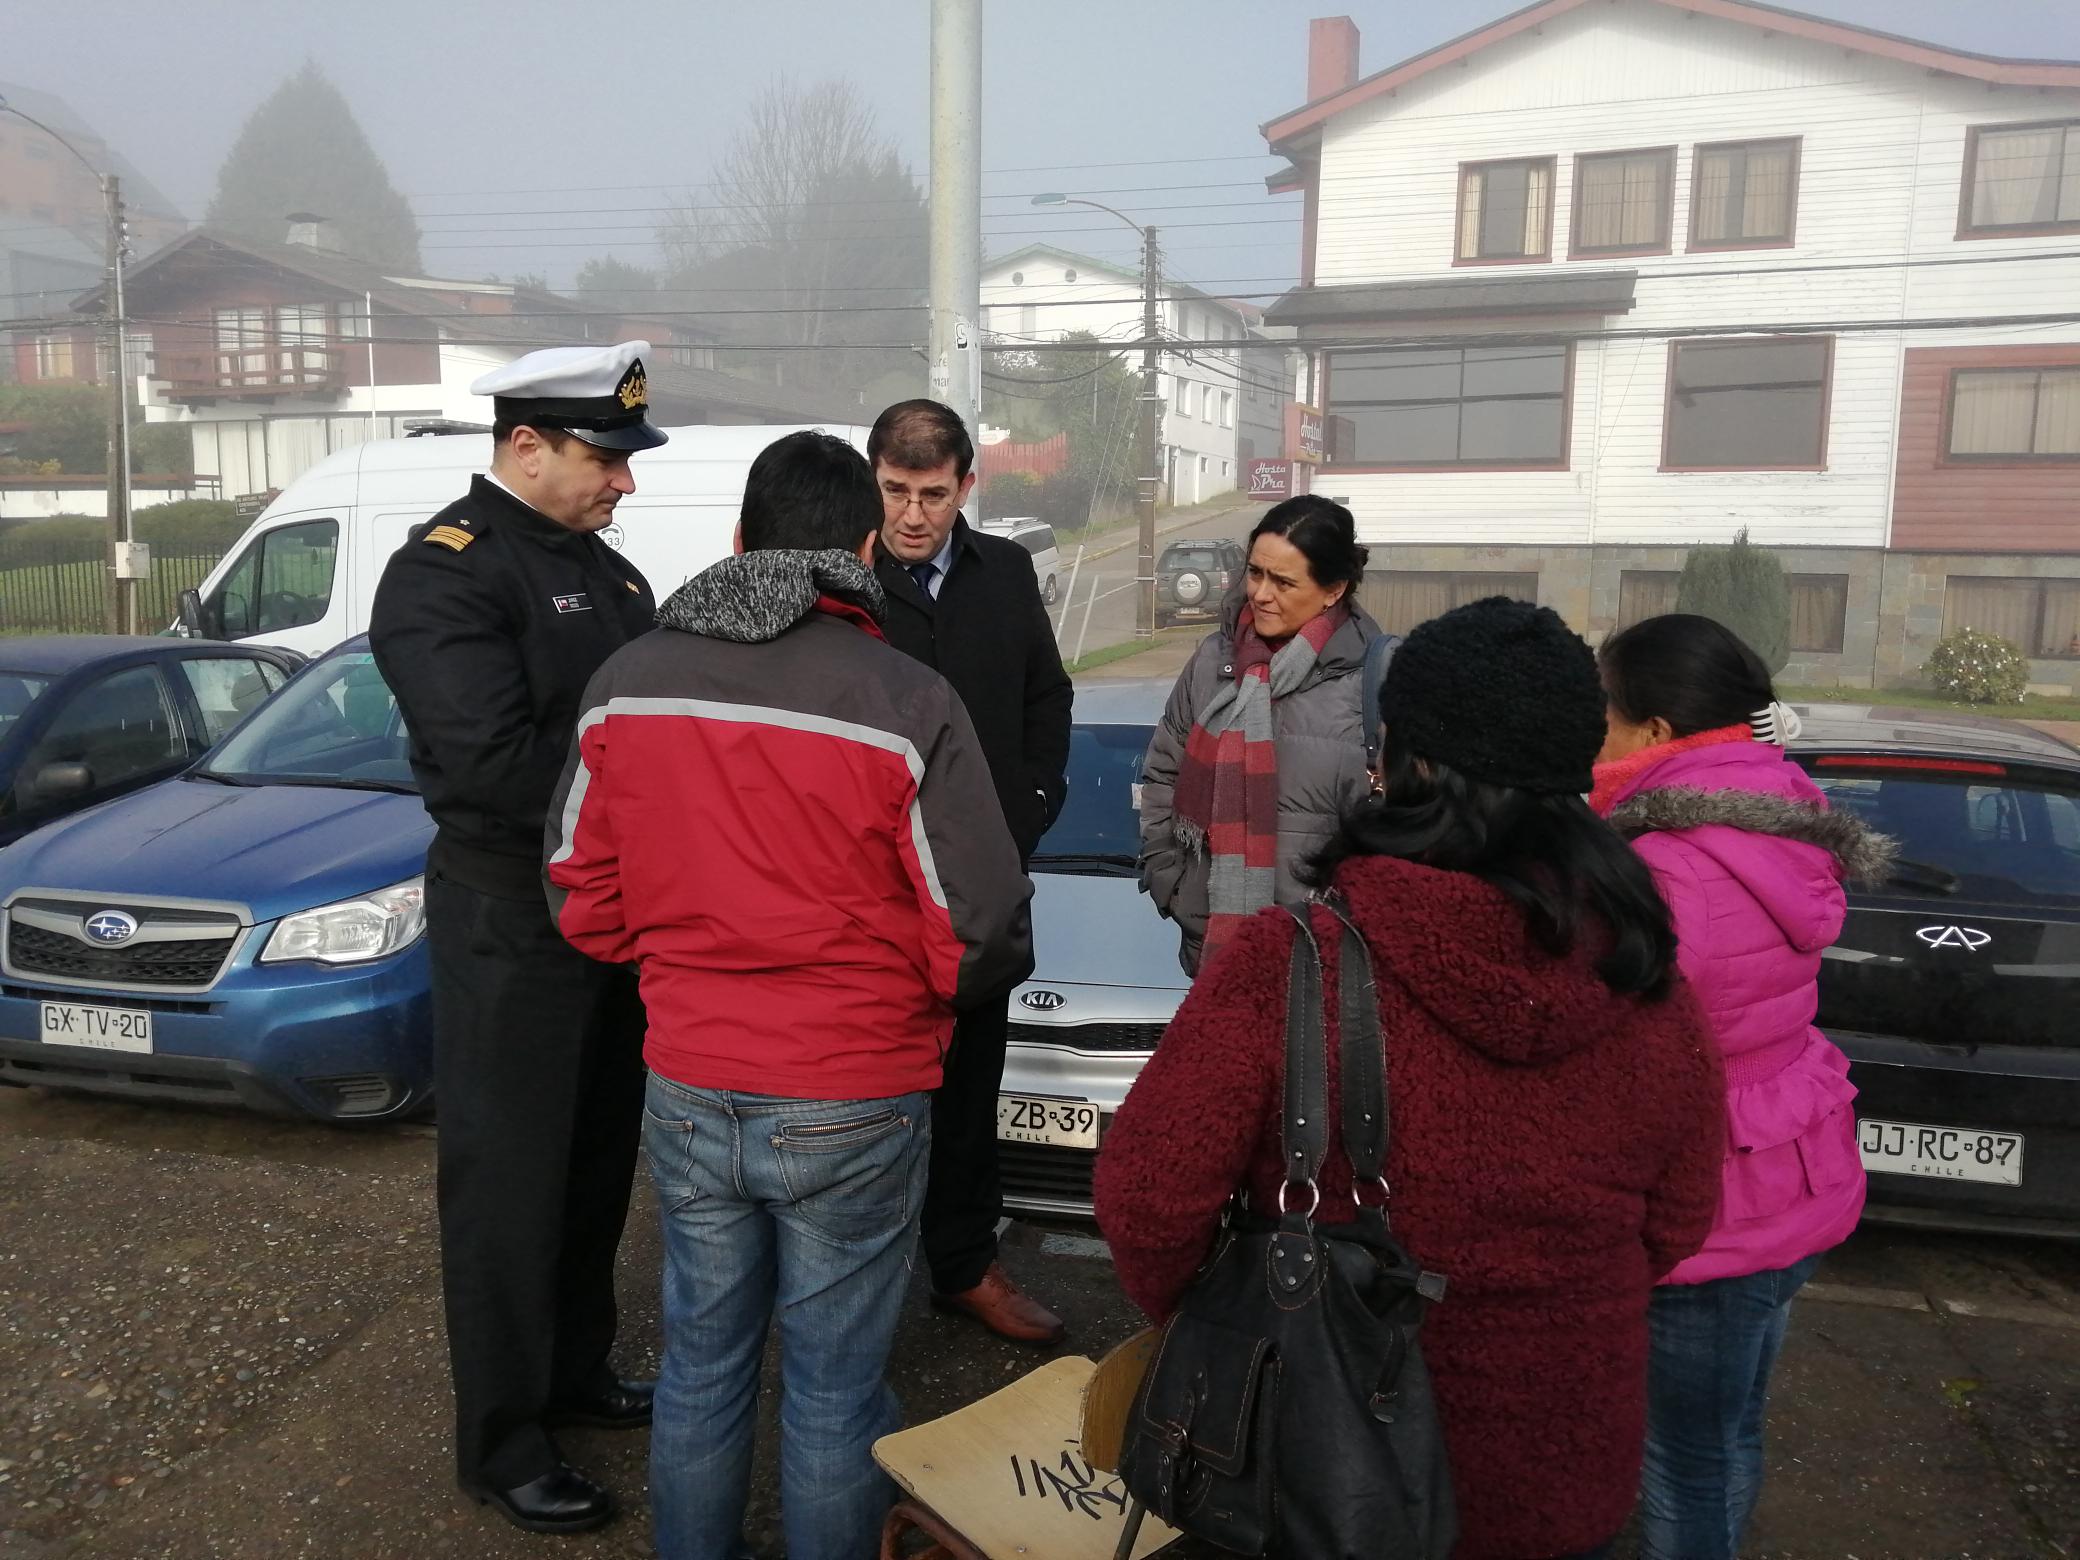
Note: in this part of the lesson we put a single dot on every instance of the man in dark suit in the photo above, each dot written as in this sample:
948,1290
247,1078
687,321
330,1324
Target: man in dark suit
967,604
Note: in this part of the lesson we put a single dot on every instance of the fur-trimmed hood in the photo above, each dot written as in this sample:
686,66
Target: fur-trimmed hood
757,596
1864,854
1789,852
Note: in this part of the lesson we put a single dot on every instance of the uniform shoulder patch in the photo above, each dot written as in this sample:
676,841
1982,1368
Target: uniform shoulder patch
452,537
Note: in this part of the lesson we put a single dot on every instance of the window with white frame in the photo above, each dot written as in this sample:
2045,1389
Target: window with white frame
1227,408
1184,397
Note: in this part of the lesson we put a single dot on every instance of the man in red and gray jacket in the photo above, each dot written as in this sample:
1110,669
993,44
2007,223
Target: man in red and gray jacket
791,830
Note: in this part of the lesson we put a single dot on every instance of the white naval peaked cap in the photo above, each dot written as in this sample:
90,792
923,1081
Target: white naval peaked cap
601,394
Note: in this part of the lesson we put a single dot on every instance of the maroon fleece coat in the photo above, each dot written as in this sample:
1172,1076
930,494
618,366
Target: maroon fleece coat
1554,1149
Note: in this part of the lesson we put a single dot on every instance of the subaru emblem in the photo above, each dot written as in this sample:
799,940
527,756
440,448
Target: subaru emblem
110,928
1042,1001
1969,938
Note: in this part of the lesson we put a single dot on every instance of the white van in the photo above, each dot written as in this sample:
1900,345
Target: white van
1037,537
304,575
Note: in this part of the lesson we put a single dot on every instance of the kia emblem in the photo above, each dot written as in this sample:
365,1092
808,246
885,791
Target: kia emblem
110,928
1042,1001
1969,938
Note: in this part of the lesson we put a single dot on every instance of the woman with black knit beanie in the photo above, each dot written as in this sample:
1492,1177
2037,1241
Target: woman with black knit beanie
1262,744
1553,1124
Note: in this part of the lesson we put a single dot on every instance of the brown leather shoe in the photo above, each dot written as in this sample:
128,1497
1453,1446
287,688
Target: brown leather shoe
1005,1309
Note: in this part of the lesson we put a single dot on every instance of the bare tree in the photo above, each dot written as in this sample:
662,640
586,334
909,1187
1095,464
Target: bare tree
809,234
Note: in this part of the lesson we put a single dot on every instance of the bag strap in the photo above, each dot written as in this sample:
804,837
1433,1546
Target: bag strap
1303,1126
1379,650
1361,1054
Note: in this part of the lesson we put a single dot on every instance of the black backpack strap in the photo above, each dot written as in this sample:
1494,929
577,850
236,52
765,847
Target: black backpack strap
1304,1127
1362,1060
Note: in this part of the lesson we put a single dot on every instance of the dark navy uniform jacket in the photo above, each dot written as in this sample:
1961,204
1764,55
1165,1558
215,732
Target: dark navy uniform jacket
488,623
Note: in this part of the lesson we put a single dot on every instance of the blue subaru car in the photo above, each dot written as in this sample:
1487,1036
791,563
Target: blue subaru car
250,932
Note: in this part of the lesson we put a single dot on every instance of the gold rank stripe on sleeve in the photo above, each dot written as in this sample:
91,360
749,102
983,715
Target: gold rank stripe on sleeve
452,537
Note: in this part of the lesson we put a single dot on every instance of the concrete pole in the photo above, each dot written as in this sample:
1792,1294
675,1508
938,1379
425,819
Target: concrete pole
955,349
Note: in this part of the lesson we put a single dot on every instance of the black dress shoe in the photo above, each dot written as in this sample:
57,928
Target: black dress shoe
562,1501
621,1405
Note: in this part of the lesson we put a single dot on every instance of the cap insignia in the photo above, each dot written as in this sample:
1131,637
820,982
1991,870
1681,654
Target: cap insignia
634,389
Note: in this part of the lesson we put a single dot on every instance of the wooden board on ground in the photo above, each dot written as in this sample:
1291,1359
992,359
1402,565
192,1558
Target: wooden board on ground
1009,1475
1108,1397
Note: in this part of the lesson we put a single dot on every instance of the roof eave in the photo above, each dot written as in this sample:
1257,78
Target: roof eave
1991,69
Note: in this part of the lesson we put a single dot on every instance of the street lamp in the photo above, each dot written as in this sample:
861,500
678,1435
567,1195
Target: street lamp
126,567
1151,408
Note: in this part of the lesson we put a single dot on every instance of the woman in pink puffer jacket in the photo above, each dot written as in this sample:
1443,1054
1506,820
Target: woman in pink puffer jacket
1752,865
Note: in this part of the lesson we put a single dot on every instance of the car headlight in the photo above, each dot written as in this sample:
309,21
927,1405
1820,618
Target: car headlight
354,929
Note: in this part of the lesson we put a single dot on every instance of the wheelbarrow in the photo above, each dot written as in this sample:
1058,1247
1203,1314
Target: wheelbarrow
1027,1473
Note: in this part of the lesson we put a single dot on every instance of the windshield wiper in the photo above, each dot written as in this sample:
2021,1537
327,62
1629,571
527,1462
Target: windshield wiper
1106,861
1919,874
218,776
337,783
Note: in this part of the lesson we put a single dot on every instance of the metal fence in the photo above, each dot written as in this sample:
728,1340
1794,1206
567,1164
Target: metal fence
54,590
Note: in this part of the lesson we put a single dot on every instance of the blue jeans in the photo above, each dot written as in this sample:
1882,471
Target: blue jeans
802,1208
1714,1346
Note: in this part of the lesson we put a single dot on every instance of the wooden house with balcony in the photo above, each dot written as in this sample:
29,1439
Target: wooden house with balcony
276,355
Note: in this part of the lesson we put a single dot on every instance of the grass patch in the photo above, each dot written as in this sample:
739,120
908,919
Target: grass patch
1132,647
2032,707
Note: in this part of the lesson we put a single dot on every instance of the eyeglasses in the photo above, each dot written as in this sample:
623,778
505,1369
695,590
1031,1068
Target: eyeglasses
932,508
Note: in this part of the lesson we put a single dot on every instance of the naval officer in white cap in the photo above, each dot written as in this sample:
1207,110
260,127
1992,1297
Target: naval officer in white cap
488,624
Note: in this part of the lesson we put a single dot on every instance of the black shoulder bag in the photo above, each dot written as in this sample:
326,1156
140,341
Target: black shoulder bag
1287,1412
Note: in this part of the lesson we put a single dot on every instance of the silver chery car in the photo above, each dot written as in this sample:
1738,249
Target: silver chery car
1107,981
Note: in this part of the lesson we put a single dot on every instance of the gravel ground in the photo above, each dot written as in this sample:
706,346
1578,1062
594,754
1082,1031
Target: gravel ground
235,1349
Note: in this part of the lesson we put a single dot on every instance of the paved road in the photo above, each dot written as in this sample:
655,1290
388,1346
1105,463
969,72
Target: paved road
1099,611
221,1336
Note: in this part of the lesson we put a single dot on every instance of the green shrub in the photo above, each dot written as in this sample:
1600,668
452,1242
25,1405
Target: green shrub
1976,667
1014,493
184,527
1743,587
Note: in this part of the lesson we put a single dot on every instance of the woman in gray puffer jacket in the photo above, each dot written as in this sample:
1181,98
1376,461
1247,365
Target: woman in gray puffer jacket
1262,745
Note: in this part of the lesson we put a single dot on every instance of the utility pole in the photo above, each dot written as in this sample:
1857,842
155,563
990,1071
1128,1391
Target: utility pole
125,564
955,350
1151,435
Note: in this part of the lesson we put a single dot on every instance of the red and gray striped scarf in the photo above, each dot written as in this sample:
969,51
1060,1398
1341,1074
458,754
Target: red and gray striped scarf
1227,786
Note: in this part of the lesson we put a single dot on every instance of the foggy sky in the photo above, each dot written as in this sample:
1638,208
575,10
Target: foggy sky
588,119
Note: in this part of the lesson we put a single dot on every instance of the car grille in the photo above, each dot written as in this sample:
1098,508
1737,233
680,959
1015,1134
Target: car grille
1051,1177
177,948
1089,1037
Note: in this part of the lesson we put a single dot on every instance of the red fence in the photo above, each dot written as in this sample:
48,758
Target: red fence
1040,460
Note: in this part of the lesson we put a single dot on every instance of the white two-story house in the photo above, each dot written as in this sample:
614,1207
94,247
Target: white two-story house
1222,405
1607,278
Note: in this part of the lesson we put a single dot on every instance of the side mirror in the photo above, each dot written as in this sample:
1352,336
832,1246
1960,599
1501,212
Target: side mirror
60,782
191,615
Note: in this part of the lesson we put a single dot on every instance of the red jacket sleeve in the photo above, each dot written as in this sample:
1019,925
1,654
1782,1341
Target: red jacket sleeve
583,859
1682,1205
1183,1140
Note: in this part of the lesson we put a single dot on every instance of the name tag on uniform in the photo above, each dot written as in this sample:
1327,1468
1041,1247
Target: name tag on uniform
577,603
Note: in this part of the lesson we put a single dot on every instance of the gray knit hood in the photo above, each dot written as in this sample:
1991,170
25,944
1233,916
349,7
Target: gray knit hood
756,596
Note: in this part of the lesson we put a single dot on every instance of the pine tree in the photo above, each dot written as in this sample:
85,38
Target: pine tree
302,150
1743,587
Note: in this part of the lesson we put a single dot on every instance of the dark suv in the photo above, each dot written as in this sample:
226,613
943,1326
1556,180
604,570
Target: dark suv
1193,577
1955,987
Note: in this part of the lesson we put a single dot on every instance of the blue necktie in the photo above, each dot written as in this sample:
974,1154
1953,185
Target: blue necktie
923,573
